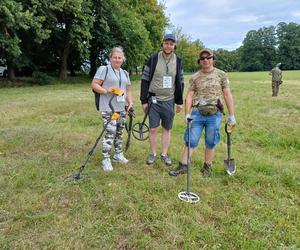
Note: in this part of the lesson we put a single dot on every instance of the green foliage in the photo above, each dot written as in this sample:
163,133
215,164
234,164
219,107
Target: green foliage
228,61
46,133
258,51
42,78
289,45
137,26
188,50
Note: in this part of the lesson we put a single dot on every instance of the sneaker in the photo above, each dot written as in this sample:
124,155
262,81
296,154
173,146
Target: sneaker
151,159
106,165
206,170
166,160
181,169
120,158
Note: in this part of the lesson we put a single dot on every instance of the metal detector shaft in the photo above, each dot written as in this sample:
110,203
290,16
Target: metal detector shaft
189,196
77,176
189,120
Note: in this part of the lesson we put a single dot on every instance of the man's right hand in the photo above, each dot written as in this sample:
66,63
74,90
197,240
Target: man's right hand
187,117
145,107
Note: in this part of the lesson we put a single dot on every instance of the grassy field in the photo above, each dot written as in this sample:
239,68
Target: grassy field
46,133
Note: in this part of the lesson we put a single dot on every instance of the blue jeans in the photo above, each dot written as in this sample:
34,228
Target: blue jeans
211,124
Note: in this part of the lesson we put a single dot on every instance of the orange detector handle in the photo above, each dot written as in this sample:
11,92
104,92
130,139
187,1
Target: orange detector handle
115,116
117,91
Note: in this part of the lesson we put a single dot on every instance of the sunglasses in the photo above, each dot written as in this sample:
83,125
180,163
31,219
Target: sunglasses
207,58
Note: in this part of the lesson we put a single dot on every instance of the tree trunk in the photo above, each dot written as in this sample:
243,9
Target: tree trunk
93,69
11,71
63,74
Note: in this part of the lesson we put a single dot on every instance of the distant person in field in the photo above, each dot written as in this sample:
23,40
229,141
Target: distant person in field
105,79
203,104
276,79
161,89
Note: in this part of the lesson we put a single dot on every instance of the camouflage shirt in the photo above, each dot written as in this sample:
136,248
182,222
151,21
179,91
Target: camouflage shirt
208,88
276,74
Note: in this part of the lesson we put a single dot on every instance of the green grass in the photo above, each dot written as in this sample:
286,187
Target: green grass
46,133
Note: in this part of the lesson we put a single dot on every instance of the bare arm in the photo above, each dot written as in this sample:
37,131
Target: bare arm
129,96
189,102
228,100
97,86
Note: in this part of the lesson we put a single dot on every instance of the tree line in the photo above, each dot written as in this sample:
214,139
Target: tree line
60,36
262,49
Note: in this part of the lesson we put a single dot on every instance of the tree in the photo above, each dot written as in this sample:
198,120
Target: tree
135,25
289,45
188,50
227,60
14,18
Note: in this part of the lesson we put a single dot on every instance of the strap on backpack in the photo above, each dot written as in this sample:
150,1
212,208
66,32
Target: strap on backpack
97,95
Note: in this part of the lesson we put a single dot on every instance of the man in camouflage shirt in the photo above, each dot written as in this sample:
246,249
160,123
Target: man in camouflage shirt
276,79
203,105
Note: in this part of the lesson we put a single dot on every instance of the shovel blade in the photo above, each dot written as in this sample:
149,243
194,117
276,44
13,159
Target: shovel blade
230,166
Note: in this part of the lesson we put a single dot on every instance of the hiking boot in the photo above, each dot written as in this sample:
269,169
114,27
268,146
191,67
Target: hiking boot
181,169
151,159
166,160
120,158
206,170
106,165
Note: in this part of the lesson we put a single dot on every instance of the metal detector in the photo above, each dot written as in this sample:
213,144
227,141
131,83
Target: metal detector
128,128
229,163
188,196
79,176
140,130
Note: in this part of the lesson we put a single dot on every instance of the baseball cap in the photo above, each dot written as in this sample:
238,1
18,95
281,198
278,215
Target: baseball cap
208,51
169,37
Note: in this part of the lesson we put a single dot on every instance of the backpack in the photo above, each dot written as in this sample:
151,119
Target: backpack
97,95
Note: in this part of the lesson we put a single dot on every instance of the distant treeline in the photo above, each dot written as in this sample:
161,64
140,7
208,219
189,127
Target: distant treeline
63,37
262,49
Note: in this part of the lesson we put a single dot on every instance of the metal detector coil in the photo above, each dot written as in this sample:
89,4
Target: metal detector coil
140,130
189,197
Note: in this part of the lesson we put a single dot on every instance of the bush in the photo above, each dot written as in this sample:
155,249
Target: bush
42,78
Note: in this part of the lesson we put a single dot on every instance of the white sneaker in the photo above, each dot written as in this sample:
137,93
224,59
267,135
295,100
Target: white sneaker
120,158
106,164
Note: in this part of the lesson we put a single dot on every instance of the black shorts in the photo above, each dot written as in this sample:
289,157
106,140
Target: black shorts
164,111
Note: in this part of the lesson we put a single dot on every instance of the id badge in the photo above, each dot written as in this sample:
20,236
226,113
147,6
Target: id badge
167,82
120,98
154,101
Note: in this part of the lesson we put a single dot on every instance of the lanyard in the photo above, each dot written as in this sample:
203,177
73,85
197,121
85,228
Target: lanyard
119,78
167,64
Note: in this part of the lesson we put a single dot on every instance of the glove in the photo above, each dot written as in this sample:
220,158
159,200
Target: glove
231,120
186,117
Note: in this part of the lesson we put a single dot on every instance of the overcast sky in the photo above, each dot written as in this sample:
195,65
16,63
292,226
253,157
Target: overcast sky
225,23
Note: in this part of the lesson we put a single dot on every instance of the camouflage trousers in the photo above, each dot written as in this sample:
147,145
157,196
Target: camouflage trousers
275,88
113,133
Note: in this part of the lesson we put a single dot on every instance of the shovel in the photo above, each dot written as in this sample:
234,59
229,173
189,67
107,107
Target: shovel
229,163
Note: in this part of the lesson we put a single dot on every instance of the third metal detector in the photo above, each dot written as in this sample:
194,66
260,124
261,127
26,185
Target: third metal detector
188,196
139,129
77,177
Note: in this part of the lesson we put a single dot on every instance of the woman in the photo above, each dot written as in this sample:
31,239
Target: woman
105,80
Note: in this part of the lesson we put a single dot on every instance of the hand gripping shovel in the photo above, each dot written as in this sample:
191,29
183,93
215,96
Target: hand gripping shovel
229,163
